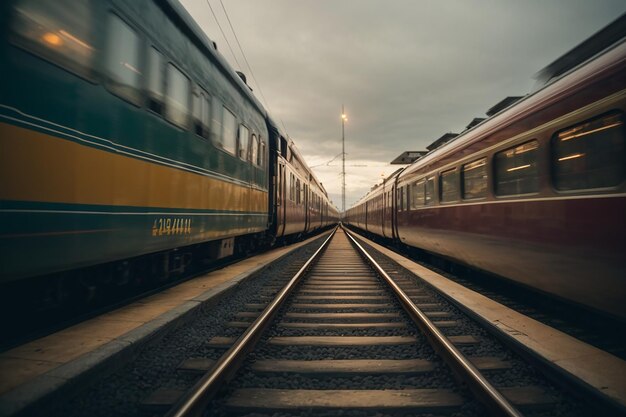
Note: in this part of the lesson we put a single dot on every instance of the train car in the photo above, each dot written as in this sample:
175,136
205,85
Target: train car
536,193
124,134
301,204
330,214
355,215
318,217
374,213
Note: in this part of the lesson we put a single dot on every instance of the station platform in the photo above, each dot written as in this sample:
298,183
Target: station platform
46,368
569,357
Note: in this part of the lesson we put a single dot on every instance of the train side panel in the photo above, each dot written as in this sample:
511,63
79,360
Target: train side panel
560,228
94,172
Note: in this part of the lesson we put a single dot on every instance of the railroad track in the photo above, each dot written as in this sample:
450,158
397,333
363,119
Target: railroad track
342,334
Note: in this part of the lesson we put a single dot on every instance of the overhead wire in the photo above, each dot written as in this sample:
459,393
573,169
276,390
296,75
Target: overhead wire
243,54
223,34
327,162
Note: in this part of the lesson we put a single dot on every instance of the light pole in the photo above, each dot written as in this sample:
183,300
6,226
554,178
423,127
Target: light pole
344,118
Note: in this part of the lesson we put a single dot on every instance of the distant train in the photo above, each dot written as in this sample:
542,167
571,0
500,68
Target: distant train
126,140
535,193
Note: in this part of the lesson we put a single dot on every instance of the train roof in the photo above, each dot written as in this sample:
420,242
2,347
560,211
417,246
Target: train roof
181,17
595,44
510,114
503,104
376,189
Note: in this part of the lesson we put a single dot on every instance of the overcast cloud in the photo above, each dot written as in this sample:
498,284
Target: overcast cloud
407,71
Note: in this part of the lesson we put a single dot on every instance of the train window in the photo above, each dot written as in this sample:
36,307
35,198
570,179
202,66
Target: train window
216,121
417,194
261,159
407,197
283,147
400,198
196,106
177,97
449,186
229,131
201,112
47,29
277,145
297,191
429,191
254,150
243,143
122,60
475,179
206,114
155,80
306,192
516,170
279,187
589,155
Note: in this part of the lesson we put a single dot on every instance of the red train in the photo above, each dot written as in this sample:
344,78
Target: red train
536,192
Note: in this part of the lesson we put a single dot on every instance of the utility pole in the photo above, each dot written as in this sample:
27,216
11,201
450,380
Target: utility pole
344,118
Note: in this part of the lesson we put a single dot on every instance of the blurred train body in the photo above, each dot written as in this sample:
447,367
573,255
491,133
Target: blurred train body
534,194
124,133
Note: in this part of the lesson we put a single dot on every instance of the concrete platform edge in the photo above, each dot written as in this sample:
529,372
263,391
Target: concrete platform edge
71,378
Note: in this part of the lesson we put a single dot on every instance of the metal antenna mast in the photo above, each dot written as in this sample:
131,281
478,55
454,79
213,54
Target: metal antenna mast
344,118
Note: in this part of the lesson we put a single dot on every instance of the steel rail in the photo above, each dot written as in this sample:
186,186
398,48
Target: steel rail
495,402
194,402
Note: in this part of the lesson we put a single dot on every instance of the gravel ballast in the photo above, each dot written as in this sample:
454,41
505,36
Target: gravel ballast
120,393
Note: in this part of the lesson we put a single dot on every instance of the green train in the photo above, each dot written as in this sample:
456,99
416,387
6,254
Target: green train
126,139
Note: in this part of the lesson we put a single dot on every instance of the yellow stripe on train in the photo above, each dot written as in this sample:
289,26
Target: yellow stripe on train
36,166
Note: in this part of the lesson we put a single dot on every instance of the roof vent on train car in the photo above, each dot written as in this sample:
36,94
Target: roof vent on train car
503,104
474,122
408,157
442,140
596,43
244,79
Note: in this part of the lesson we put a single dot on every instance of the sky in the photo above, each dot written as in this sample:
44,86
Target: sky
407,71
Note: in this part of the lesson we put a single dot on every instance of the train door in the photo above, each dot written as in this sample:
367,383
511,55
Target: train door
376,217
385,212
397,198
280,199
307,209
318,207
